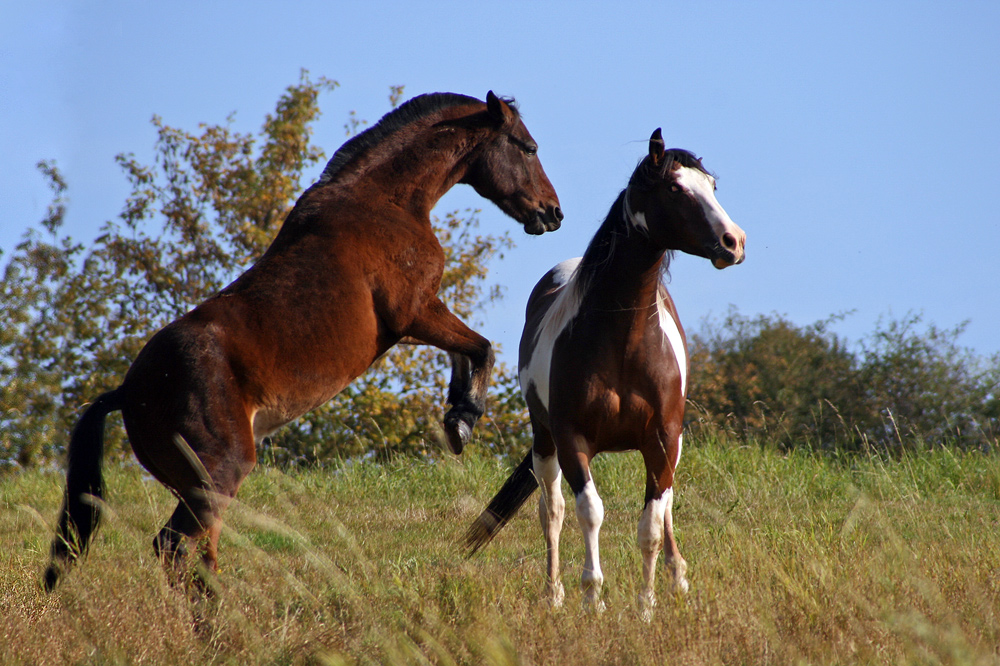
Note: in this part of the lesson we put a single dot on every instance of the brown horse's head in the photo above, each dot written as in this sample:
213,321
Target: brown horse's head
672,197
505,169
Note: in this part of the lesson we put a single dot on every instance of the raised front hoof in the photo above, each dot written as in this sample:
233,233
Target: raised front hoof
457,432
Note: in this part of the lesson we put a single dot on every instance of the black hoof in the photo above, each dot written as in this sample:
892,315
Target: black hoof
51,577
458,432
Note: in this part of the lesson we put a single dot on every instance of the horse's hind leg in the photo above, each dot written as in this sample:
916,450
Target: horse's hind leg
205,483
551,510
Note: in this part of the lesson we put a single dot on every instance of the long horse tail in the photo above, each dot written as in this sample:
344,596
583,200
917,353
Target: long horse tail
81,509
515,492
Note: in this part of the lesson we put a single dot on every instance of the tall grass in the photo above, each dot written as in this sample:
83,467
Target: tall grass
794,558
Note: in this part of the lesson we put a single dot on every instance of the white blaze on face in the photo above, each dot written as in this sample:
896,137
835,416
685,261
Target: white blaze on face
701,186
558,316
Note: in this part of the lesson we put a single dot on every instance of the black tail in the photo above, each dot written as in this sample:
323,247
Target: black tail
515,492
84,487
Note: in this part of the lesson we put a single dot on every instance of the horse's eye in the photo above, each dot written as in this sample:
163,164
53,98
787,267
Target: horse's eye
530,151
674,188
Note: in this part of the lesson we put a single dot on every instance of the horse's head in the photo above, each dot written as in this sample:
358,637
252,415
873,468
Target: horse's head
672,198
506,171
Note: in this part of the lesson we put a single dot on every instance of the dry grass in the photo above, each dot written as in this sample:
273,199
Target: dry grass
794,559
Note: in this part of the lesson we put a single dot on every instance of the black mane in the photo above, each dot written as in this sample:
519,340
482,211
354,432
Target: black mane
409,112
672,156
615,226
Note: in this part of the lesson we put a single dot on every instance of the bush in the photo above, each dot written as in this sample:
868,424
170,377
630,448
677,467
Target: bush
766,379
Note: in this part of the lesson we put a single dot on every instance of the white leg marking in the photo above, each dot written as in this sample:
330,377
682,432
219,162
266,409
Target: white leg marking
651,526
563,310
673,335
590,513
551,509
675,564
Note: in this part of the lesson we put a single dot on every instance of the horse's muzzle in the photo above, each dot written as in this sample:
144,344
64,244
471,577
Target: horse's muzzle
549,219
729,251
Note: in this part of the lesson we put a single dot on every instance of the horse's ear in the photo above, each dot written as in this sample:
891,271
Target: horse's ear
656,147
498,110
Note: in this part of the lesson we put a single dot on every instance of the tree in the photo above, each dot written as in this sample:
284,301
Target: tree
210,204
924,385
767,380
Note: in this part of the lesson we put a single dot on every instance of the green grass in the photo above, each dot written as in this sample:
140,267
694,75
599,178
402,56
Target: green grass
793,558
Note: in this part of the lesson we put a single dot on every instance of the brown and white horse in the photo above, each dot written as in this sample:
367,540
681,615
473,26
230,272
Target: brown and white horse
354,270
603,365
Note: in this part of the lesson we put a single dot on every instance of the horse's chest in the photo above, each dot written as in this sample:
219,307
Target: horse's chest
596,361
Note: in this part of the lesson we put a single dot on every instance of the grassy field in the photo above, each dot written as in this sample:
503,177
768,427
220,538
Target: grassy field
793,559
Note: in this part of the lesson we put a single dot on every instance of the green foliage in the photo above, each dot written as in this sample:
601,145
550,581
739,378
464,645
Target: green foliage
768,380
76,316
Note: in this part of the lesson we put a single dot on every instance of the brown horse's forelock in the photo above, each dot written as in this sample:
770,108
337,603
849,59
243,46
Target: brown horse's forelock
411,111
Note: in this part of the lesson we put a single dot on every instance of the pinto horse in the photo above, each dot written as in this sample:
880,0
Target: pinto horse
354,270
603,365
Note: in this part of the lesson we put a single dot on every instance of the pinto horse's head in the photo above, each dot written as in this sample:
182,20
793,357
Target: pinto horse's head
506,170
673,200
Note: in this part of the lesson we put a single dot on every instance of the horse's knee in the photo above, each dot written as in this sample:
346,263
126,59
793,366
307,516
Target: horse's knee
589,509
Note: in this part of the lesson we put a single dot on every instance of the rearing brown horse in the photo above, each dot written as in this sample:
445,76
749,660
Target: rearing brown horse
354,270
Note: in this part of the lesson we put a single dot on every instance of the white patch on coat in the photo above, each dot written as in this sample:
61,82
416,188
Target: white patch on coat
562,311
673,335
637,220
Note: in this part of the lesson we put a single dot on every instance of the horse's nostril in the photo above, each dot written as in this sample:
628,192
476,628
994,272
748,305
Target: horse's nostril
557,213
729,241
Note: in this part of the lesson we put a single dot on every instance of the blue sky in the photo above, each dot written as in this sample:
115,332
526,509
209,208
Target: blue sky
857,143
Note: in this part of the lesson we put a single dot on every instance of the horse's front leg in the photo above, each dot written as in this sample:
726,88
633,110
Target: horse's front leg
656,525
472,363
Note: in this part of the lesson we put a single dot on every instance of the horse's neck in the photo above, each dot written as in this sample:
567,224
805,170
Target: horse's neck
412,179
626,278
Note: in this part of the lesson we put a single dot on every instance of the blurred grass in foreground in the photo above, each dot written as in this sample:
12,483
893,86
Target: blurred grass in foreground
794,558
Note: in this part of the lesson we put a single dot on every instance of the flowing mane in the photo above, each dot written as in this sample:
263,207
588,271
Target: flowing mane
410,112
616,225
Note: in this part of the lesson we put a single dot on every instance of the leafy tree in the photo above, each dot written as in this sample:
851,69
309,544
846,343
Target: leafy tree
924,385
75,316
768,380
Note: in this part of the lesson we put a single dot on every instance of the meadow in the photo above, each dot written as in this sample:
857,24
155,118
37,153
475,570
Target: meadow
794,558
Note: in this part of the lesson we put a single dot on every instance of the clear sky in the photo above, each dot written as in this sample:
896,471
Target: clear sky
857,143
